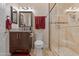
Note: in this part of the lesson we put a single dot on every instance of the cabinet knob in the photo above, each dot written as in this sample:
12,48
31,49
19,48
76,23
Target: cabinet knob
31,34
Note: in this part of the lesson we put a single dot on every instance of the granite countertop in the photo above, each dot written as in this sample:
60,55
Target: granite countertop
19,30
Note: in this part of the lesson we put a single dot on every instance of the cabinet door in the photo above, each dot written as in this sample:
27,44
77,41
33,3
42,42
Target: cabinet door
13,41
24,41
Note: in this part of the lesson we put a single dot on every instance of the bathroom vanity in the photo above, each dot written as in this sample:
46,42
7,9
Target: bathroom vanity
20,41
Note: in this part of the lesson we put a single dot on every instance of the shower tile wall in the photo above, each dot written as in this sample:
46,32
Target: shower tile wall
64,37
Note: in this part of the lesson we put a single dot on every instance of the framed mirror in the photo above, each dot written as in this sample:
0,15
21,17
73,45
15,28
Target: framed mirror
25,19
13,15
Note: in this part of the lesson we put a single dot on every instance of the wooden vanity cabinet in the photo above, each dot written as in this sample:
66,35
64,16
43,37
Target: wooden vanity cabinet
20,42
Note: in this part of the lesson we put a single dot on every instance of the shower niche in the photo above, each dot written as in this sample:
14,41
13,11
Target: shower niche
73,18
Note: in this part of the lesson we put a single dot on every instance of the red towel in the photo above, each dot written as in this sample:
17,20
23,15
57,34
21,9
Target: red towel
8,24
40,22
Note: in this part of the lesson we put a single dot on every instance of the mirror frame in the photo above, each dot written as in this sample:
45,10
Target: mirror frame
12,15
31,18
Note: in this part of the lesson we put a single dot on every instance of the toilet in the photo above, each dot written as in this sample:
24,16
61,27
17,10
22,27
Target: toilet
39,44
